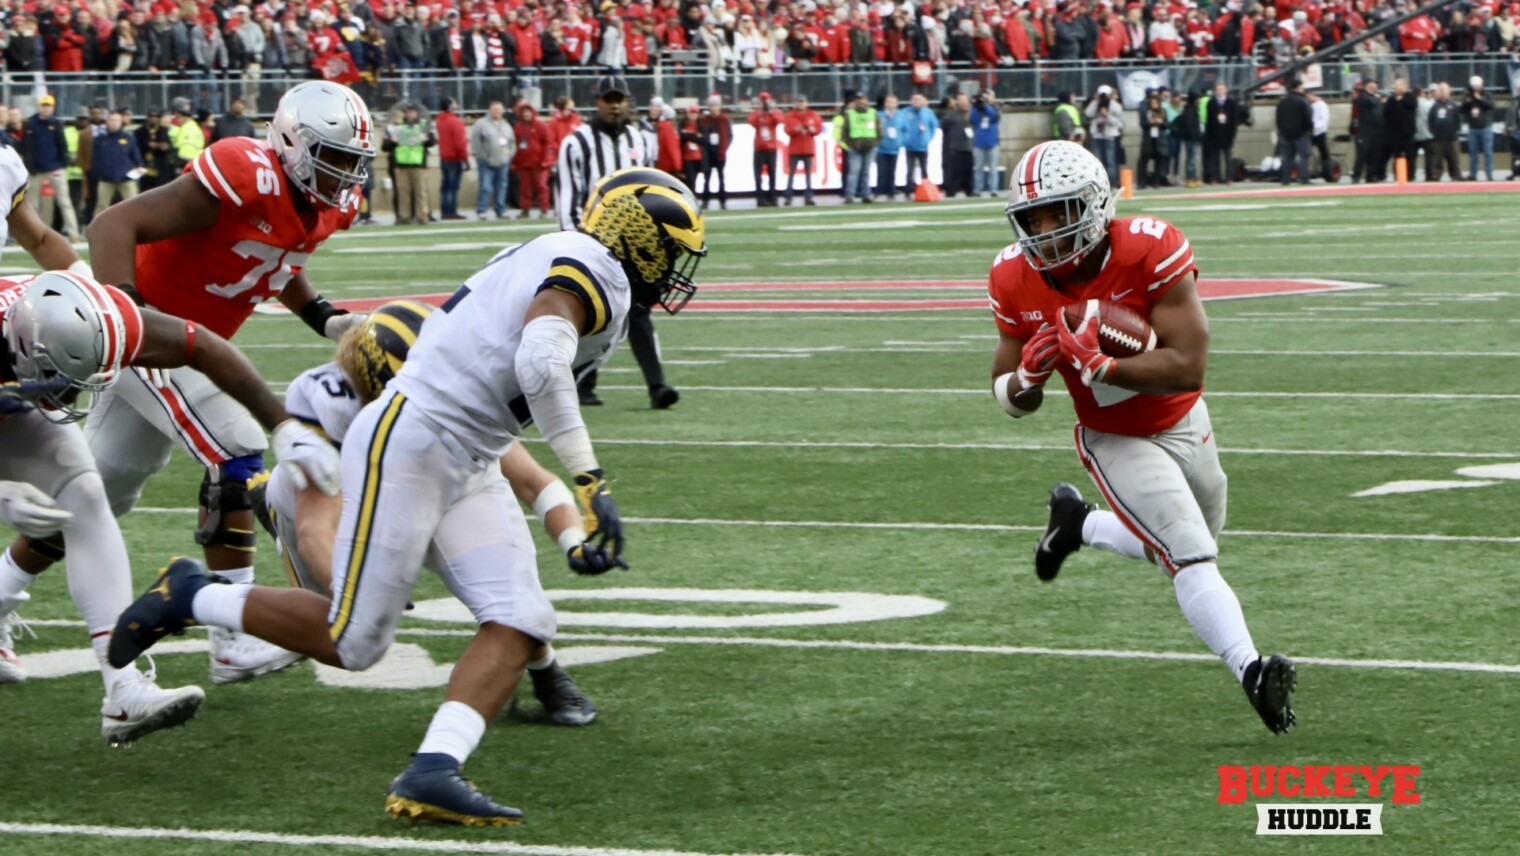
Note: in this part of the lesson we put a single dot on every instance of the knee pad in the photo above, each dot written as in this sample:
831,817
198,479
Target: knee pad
224,489
258,499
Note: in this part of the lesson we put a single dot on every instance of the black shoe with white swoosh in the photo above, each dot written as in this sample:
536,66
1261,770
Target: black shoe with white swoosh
1269,684
1064,535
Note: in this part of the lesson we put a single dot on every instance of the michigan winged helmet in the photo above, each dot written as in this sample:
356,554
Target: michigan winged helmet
650,222
372,353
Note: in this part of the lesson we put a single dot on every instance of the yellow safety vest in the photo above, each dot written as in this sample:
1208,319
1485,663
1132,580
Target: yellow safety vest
1055,118
71,136
188,140
862,124
410,150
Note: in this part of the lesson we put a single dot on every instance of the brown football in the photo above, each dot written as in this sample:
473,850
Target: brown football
1121,330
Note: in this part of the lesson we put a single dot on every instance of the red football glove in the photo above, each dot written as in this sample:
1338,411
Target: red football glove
1081,348
1038,358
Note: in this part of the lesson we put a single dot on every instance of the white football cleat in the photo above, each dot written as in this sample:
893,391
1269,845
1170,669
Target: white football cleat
136,707
239,657
11,670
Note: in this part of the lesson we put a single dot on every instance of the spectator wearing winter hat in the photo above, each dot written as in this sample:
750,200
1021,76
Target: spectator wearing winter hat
1105,122
669,157
535,154
766,121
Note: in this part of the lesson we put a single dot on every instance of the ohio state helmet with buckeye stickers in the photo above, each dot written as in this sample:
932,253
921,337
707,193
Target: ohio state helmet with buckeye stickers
1061,173
323,128
67,325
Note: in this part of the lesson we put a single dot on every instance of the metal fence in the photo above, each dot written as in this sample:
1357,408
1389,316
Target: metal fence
1034,84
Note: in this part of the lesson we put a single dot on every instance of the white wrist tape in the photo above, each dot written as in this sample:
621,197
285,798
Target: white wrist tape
571,538
1000,389
550,498
544,371
82,268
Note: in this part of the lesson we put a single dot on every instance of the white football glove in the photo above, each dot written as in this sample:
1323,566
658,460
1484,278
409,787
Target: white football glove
337,325
315,461
30,511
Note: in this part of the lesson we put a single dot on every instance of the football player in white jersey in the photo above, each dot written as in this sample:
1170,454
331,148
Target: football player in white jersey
420,471
304,521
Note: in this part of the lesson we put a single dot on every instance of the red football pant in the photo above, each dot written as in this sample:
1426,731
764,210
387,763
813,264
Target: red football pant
533,183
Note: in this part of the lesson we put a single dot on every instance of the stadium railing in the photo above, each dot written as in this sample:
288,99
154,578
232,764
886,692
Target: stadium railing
823,86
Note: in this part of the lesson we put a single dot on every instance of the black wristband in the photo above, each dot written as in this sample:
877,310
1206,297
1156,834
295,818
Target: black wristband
131,291
316,313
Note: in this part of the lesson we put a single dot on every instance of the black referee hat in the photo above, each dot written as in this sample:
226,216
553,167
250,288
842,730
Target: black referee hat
611,84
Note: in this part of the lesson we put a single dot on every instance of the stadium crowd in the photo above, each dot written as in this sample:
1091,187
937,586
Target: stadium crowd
346,41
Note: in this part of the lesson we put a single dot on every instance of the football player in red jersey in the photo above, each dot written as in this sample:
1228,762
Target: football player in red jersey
66,340
233,230
1143,430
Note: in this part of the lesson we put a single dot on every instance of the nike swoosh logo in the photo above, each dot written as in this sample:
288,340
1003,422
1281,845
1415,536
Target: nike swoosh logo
1119,295
1045,542
1207,436
119,717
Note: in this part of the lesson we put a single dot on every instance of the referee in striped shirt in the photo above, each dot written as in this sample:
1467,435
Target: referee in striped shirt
610,142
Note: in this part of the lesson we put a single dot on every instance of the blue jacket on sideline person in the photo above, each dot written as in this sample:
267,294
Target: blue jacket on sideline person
984,124
919,126
892,131
43,147
113,156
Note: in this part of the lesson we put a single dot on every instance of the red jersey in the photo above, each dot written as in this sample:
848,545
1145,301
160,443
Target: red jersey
216,275
1146,257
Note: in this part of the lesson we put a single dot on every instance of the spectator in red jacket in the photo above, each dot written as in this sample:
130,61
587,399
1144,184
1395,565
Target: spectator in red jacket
691,146
65,44
563,120
670,159
1418,35
634,44
717,132
530,53
454,155
801,125
1016,32
1110,37
766,120
532,161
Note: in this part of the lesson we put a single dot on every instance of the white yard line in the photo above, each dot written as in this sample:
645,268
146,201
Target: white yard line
1004,527
1038,447
1009,650
359,842
868,390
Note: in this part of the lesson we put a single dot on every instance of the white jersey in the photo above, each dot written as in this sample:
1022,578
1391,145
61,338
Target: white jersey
12,188
324,399
462,373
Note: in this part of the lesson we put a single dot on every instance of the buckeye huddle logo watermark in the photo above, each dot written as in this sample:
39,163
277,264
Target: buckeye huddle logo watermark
1343,782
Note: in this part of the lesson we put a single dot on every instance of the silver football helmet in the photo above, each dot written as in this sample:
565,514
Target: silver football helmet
1064,173
323,129
68,325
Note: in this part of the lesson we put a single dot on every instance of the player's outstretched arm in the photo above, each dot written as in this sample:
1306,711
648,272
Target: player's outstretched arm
317,516
177,208
50,249
301,297
552,502
551,334
1178,362
170,342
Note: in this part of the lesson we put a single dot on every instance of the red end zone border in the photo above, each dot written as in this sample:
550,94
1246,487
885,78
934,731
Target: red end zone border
1210,289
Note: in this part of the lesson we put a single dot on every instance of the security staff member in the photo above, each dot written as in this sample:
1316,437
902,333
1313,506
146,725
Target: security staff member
604,145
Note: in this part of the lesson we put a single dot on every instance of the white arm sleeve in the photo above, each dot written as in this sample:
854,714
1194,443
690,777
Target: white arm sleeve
544,371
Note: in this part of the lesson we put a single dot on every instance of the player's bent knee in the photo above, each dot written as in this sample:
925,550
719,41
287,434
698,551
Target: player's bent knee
224,491
359,654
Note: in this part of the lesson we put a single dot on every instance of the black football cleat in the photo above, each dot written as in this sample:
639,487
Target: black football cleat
433,788
1064,534
589,398
662,397
1269,683
163,609
563,701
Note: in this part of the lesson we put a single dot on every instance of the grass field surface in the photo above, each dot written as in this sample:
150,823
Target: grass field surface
847,464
